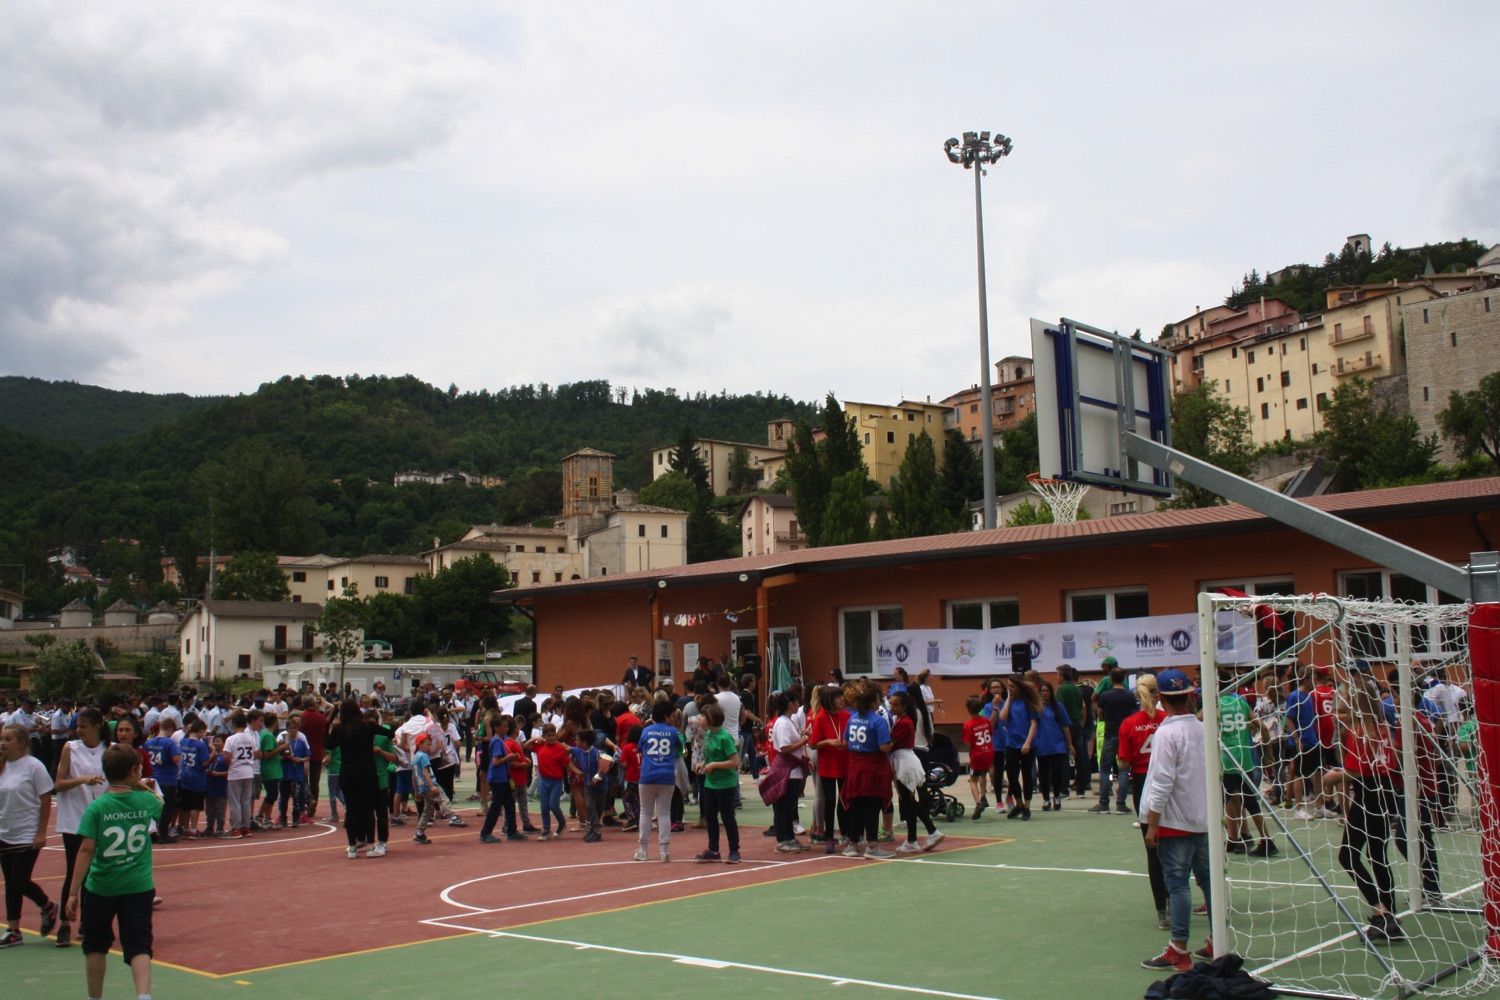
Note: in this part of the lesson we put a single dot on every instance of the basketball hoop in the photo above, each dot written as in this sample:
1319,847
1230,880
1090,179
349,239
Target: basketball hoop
1062,496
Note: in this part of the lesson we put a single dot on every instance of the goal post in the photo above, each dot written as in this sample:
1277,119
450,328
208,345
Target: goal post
1416,835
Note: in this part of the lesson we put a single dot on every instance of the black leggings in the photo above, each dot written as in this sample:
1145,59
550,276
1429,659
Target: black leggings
912,810
1367,827
71,843
445,777
1153,860
784,810
864,819
1053,775
1019,767
833,809
718,807
16,862
359,812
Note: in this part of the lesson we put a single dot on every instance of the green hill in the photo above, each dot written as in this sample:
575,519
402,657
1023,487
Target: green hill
306,464
86,414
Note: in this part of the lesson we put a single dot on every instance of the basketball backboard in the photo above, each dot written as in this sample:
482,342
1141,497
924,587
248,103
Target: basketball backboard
1092,387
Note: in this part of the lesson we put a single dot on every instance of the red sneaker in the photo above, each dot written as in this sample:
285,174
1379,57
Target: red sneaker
1170,958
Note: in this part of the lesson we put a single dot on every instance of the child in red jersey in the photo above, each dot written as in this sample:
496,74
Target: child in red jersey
630,760
979,737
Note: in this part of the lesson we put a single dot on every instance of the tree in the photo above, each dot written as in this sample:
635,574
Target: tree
1472,420
455,603
252,576
397,619
963,476
259,500
841,446
671,489
809,481
67,670
158,672
341,626
1207,426
686,460
1026,512
742,478
847,519
915,508
1016,457
709,538
1369,442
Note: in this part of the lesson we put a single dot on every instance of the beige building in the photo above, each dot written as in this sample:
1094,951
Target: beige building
885,431
633,538
226,640
531,555
1451,344
768,524
318,577
718,456
10,606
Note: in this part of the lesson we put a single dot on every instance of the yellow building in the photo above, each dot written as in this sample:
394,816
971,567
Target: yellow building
717,456
1285,375
316,578
885,431
531,555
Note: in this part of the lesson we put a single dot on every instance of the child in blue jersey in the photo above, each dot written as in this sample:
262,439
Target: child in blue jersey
166,756
660,747
1302,744
294,773
1054,745
1018,717
192,777
584,770
867,790
216,791
432,803
502,795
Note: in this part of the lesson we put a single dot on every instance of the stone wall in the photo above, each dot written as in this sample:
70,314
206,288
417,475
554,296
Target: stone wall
1451,344
125,638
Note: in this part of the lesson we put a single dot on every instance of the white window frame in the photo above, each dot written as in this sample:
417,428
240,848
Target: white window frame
1109,594
1250,585
1422,639
984,604
871,609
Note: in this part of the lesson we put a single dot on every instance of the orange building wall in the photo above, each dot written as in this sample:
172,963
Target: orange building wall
584,640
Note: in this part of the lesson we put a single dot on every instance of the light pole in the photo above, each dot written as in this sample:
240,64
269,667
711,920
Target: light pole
975,152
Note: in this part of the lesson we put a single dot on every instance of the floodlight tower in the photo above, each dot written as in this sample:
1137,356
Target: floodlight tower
975,152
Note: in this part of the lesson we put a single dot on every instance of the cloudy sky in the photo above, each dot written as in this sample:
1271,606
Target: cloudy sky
202,197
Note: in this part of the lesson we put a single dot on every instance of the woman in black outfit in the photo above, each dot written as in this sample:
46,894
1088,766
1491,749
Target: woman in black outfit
355,740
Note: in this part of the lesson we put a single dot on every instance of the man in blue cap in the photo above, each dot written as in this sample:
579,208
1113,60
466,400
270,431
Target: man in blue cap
1174,808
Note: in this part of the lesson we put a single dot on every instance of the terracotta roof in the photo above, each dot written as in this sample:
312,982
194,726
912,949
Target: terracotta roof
120,605
77,604
383,559
588,453
1402,501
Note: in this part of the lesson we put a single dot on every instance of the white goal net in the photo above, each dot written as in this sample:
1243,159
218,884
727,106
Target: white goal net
1355,791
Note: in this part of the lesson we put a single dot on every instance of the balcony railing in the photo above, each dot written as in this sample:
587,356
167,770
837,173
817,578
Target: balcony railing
1353,366
1349,336
289,646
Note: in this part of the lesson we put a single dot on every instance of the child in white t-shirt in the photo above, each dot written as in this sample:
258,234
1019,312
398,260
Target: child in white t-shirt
243,748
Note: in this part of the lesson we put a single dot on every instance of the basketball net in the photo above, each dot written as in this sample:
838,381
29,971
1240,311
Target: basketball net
1061,496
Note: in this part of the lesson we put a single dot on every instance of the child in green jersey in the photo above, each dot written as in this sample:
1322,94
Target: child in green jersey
119,886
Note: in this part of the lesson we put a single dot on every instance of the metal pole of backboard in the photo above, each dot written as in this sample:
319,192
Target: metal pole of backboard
1326,527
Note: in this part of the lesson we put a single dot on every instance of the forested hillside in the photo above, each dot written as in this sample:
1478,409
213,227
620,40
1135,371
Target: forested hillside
86,415
1303,287
305,465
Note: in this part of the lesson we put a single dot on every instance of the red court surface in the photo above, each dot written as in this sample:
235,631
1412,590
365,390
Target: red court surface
306,900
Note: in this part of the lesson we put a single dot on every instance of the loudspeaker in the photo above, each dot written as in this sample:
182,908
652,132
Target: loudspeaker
1020,658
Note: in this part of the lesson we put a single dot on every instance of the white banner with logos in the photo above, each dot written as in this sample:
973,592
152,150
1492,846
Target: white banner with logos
1135,643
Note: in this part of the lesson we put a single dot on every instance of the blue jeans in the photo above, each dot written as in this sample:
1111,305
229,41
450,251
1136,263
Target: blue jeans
1182,857
1109,770
549,791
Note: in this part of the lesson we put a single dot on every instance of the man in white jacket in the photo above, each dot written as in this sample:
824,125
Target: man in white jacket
1174,809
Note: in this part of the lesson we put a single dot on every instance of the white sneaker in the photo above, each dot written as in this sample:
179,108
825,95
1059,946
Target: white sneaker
665,857
1327,813
797,829
876,854
933,839
1302,813
853,851
640,855
378,851
908,847
353,853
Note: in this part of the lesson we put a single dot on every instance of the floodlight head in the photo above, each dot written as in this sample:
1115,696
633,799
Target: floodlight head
949,147
970,138
984,137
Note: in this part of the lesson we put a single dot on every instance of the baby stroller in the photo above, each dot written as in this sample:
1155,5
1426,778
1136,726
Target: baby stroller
940,761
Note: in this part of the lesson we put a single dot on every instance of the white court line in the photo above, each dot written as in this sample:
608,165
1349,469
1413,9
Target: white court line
1257,883
158,850
714,963
441,921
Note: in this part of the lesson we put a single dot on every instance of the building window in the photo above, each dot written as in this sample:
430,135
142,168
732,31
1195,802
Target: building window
974,407
382,582
857,635
298,576
593,487
1234,352
1338,331
1260,384
1322,401
520,548
910,437
1425,317
296,598
867,437
1315,368
1265,411
1302,344
561,549
1106,605
343,583
984,613
536,576
1378,641
664,531
1425,397
557,577
1369,325
659,458
1486,303
409,585
1275,634
890,437
1227,386
1302,403
1453,338
910,415
1122,507
1286,378
330,584
640,531
1250,357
